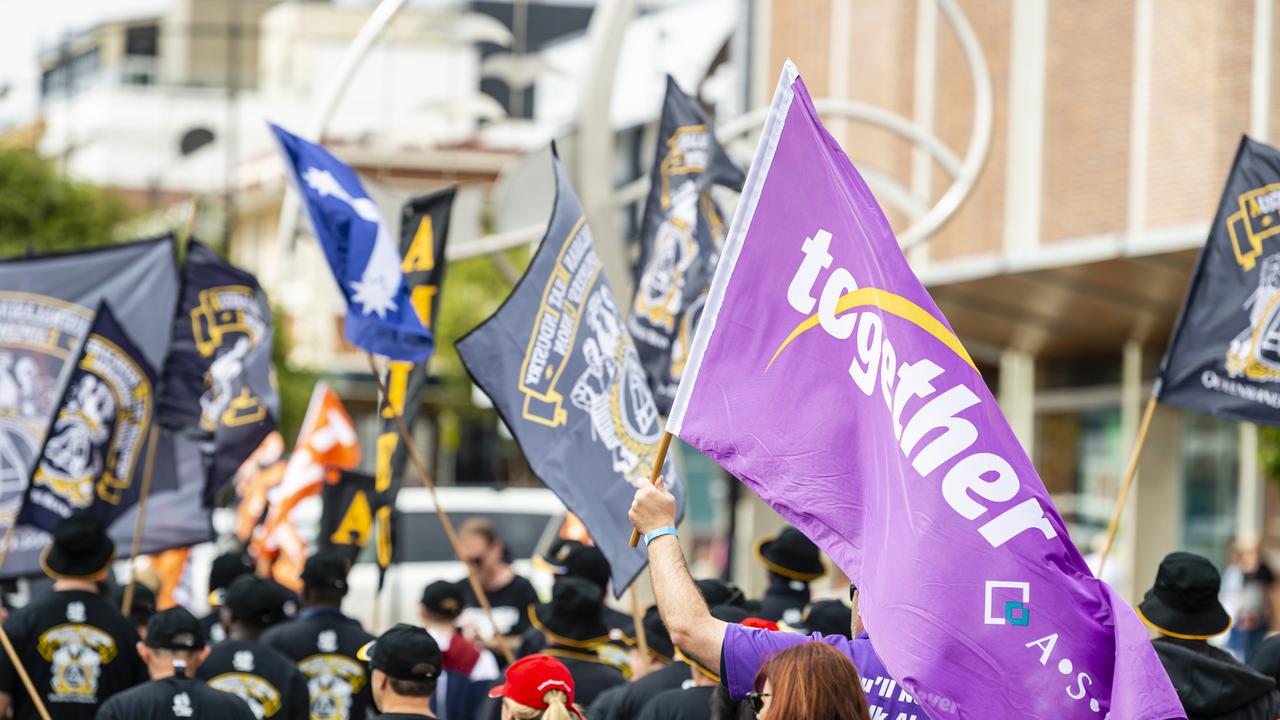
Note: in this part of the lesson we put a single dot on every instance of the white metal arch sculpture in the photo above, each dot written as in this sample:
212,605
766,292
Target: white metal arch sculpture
926,218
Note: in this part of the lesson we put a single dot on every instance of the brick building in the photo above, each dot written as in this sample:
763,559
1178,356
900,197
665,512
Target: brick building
1114,125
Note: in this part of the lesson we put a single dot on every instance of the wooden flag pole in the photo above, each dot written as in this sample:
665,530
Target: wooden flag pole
148,470
8,539
4,636
1129,474
445,522
658,462
637,618
22,674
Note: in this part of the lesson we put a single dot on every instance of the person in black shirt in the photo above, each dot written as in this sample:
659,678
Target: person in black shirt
242,665
226,568
174,648
77,647
323,642
793,561
405,663
575,631
624,702
509,594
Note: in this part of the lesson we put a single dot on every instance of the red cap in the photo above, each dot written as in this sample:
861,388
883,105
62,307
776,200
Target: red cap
529,678
761,623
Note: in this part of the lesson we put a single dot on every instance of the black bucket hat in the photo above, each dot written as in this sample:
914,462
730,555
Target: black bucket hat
791,555
575,615
1183,603
80,549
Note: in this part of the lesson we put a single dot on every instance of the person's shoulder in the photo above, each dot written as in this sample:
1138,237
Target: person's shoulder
283,630
135,694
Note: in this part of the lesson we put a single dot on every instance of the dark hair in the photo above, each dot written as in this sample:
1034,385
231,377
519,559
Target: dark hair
813,680
412,688
724,708
482,527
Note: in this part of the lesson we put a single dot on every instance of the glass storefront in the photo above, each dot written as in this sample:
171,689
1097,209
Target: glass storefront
1080,457
1209,485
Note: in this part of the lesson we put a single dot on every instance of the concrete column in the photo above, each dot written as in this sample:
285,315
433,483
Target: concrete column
1131,400
1140,117
1152,517
1024,168
1018,395
1260,87
1154,513
922,110
1251,488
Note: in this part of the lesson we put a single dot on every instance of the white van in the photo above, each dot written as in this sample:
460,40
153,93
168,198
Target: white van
527,518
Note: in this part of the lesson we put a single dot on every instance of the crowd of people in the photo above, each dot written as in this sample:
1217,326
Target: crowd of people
708,650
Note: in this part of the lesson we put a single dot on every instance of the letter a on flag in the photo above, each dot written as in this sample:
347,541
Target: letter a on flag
362,254
824,377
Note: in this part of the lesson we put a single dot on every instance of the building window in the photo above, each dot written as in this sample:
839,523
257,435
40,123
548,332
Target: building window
1210,489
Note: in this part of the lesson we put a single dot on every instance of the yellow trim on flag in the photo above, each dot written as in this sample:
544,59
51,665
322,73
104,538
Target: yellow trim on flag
893,304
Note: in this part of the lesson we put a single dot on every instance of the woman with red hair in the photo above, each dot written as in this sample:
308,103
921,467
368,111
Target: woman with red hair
812,681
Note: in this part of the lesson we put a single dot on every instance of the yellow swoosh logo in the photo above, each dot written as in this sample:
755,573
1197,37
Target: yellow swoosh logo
891,303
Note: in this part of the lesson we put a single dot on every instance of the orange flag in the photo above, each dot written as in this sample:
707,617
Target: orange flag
326,444
327,441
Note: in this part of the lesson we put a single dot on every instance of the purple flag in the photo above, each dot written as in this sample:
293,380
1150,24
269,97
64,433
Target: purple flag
824,377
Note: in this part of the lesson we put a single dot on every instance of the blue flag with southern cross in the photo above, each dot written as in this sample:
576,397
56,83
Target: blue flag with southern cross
363,256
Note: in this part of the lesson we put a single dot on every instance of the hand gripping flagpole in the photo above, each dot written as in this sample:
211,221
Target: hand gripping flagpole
148,469
445,522
658,462
1129,474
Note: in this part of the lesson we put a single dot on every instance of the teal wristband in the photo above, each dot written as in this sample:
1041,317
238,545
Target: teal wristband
655,534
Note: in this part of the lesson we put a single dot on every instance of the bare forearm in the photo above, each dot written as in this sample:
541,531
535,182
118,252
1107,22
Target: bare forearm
683,609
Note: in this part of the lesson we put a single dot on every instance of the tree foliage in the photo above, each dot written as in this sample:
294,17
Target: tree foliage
473,290
42,211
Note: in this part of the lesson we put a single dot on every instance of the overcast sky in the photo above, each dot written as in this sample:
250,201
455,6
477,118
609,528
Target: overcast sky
27,26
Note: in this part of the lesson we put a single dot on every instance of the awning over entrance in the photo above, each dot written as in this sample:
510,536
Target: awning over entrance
1071,309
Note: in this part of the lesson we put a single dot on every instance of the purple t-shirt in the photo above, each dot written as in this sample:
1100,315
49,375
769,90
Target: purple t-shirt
746,650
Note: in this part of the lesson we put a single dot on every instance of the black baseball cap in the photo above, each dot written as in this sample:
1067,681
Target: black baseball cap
326,571
225,569
443,598
175,629
257,600
404,652
144,602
